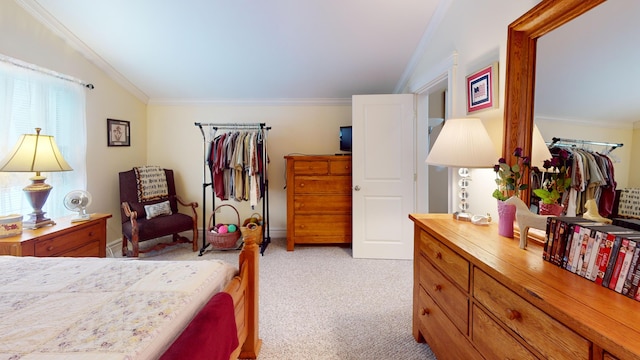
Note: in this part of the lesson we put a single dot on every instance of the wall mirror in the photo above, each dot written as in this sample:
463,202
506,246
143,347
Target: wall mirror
585,84
522,38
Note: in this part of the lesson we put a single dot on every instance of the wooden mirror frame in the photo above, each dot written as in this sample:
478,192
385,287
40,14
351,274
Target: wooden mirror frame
521,70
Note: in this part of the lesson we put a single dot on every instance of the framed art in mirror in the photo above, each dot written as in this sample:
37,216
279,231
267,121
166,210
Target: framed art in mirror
118,133
482,89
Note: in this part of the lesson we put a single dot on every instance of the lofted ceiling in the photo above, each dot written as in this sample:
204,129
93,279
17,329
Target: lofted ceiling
325,51
243,50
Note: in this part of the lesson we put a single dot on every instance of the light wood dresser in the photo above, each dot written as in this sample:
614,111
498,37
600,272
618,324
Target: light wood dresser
318,200
477,295
65,238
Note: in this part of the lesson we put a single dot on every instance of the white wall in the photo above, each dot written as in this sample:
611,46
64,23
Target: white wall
24,38
175,142
477,32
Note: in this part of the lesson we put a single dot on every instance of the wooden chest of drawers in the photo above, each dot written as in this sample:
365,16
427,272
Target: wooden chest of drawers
65,238
318,200
478,295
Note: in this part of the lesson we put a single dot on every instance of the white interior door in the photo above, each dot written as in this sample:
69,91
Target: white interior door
383,175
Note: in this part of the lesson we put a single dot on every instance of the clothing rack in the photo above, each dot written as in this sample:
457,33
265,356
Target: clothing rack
266,238
572,142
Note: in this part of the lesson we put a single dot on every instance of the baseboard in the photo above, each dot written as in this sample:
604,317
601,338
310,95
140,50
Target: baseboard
114,247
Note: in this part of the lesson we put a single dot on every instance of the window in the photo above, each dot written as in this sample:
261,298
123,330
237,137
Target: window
31,99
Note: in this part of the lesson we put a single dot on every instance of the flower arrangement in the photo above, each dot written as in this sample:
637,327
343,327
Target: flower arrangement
509,177
559,181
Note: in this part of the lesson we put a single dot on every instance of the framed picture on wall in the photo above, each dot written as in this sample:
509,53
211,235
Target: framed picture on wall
118,133
482,89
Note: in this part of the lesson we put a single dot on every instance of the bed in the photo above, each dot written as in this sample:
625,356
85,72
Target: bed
90,308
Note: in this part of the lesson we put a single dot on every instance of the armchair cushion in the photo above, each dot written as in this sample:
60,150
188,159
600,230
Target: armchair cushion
155,210
159,226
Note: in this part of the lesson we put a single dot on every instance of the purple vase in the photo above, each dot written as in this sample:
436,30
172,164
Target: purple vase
506,217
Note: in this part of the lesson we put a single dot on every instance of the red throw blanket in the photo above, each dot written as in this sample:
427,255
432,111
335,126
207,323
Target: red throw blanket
211,335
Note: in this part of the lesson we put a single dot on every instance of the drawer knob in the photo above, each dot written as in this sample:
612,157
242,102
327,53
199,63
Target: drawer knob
438,255
302,185
513,314
425,311
437,287
50,248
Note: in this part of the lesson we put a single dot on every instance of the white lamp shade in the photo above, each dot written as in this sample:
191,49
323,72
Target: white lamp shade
35,153
539,150
463,143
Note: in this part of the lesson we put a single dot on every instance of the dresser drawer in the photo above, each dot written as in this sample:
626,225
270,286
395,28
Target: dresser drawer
450,263
340,167
322,185
57,245
453,302
549,337
495,342
440,333
311,167
328,204
322,225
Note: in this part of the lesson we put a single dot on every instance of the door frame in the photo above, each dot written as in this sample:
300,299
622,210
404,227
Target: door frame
446,71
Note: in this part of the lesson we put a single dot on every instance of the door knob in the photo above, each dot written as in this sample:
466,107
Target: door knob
357,188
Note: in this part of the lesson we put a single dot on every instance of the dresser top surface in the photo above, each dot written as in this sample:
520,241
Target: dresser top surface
62,223
319,157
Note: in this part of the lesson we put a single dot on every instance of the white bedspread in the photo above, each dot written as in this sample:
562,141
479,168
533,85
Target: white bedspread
90,308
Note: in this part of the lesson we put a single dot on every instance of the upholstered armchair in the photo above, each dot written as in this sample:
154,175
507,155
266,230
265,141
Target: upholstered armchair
149,210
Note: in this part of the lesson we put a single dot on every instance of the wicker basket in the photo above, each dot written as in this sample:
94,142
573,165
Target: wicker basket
223,241
253,229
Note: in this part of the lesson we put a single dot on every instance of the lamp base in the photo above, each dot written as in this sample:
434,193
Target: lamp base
37,193
34,223
462,216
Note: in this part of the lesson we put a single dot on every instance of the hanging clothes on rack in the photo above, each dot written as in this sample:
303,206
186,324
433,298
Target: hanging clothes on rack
236,165
592,175
235,158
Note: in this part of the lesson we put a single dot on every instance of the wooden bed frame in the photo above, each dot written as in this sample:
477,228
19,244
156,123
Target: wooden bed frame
243,288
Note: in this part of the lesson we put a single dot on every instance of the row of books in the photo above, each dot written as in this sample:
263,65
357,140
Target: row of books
608,255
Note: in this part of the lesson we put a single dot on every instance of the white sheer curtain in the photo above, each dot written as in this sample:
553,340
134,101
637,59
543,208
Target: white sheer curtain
31,99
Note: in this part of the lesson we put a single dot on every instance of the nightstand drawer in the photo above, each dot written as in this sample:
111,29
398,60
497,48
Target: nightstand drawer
57,245
551,338
322,185
450,263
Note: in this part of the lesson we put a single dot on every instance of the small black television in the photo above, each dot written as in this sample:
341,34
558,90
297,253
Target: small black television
345,138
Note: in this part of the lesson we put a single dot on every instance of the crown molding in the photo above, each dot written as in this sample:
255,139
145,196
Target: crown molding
254,102
45,18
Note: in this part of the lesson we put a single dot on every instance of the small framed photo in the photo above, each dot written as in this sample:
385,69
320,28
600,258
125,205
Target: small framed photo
482,89
118,133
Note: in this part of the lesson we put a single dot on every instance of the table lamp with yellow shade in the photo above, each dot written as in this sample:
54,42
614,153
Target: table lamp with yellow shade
35,153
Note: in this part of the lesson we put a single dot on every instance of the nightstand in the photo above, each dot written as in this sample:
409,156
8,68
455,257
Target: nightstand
65,238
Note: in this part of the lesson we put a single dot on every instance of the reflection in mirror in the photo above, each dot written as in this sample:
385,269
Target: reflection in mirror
586,83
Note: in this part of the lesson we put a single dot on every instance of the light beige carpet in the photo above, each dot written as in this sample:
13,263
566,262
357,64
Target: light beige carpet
317,302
